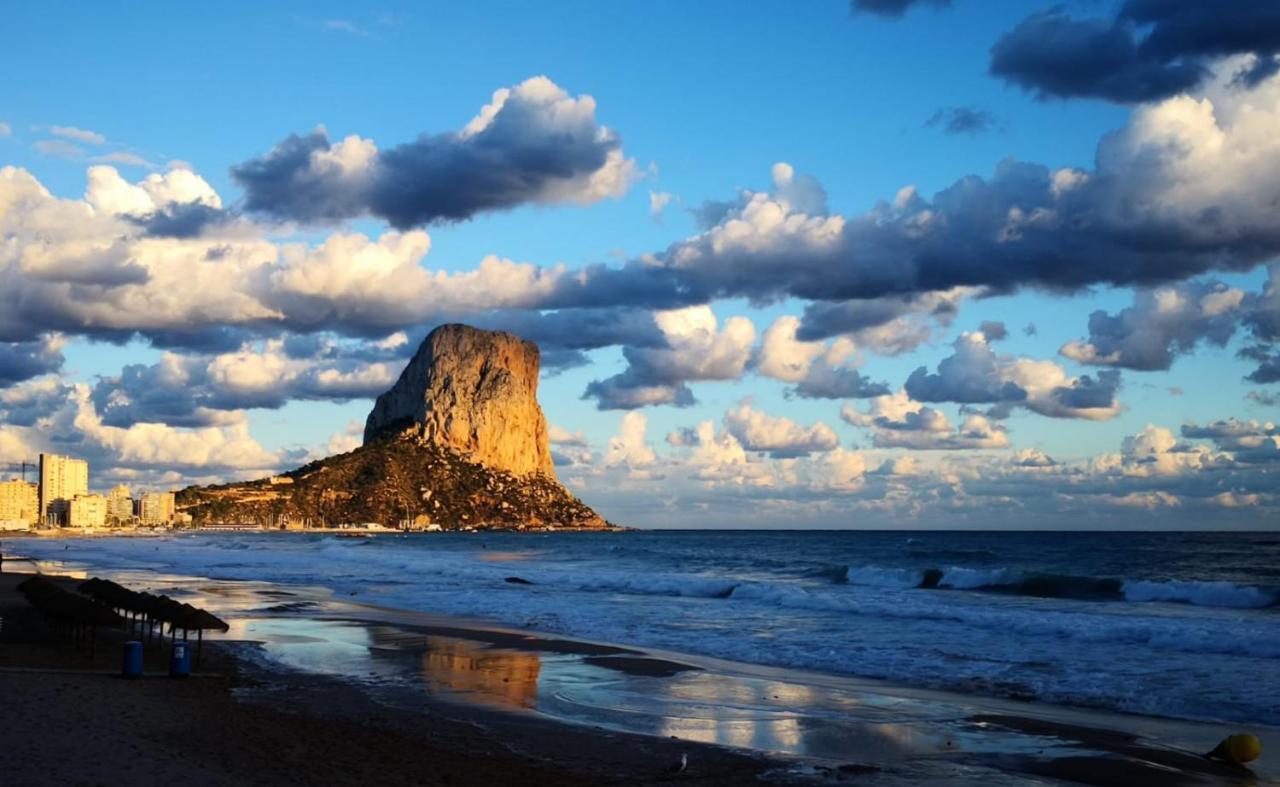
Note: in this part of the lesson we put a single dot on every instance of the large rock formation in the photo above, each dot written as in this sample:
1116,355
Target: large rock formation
474,392
458,442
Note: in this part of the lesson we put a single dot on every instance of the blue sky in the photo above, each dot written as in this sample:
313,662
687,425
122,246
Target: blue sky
704,100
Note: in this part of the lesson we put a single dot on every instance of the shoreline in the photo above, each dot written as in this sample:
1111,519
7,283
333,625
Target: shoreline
467,669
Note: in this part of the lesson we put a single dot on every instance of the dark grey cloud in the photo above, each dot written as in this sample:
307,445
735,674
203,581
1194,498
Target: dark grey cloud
1150,50
1249,442
24,405
971,376
892,9
975,375
837,382
1173,320
964,120
181,220
23,360
1161,325
824,319
1268,361
534,144
630,391
1088,393
993,330
1263,398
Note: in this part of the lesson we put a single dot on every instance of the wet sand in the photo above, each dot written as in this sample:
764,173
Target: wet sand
333,691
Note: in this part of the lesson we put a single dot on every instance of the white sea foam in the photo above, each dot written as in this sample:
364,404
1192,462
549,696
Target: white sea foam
1207,594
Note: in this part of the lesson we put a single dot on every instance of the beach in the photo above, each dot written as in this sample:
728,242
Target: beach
69,719
310,686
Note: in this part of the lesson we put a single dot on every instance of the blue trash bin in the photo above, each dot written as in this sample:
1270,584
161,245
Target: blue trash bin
180,661
132,667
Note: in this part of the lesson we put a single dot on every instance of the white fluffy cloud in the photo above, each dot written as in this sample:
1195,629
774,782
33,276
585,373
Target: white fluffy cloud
819,369
779,437
695,347
630,448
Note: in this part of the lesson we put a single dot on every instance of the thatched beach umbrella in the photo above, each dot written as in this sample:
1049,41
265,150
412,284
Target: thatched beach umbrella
81,615
199,621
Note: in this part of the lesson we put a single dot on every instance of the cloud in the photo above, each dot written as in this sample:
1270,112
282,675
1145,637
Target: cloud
779,437
78,135
25,403
343,26
6,131
58,148
533,143
1032,457
629,448
975,374
695,349
21,361
560,436
892,9
1151,49
895,421
820,370
1179,191
1248,441
150,449
1163,322
348,439
1263,398
658,202
1268,361
1173,320
993,330
123,158
964,120
200,390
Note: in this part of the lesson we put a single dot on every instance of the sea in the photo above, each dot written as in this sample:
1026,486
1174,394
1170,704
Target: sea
1180,625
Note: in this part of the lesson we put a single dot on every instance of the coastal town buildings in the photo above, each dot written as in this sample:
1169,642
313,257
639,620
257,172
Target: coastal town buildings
157,508
87,511
19,504
119,505
61,479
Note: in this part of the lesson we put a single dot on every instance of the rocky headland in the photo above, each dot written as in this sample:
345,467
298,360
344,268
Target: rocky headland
458,442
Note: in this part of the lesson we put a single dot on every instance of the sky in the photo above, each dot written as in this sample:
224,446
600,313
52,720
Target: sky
880,263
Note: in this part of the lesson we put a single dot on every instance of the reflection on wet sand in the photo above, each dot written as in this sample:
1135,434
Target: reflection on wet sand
501,677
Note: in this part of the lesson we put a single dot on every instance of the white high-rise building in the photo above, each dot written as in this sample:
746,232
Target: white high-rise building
61,479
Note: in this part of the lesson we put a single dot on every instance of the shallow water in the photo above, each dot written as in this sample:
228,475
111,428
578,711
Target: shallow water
1176,625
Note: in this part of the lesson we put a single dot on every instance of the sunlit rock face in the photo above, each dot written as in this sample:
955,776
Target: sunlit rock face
474,392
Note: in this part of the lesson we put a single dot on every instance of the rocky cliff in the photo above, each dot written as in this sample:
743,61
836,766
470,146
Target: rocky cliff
458,442
474,392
